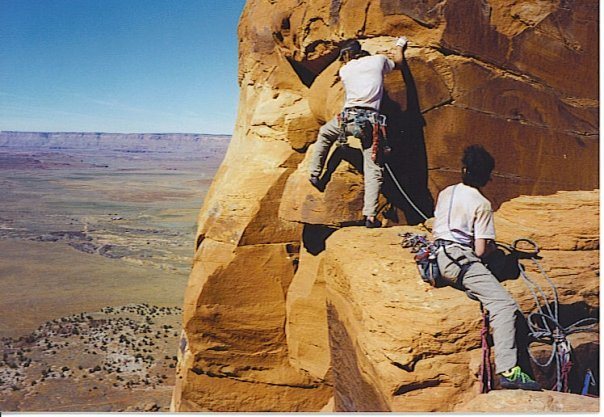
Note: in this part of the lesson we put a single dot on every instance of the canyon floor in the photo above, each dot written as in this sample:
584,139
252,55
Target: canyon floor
95,251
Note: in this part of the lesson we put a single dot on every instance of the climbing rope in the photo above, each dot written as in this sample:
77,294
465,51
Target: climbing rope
486,379
404,193
544,325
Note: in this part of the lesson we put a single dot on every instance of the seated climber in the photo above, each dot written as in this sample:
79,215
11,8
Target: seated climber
464,231
363,77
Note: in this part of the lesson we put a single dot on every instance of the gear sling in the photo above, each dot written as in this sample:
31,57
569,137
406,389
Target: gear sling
363,118
459,259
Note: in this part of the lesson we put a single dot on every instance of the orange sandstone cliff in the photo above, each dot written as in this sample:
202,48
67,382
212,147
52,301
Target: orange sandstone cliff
289,310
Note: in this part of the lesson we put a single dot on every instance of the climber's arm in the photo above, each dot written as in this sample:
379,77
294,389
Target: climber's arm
483,247
398,52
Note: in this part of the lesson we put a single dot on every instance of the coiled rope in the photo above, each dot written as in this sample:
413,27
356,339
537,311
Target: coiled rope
544,325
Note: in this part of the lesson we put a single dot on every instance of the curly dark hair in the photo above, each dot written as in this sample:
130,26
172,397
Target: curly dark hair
477,165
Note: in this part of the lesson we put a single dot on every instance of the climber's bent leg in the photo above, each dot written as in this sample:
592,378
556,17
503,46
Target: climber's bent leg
327,136
502,312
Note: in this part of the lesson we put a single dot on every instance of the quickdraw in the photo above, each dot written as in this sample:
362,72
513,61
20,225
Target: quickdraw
379,127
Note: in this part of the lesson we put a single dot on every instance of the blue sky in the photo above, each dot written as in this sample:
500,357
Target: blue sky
119,65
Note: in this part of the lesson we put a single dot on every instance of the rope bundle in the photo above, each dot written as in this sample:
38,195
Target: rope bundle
544,323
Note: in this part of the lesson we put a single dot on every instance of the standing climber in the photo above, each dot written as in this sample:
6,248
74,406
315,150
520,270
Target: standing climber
465,232
363,77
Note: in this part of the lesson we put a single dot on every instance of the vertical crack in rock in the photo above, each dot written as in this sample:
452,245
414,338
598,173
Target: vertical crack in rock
334,12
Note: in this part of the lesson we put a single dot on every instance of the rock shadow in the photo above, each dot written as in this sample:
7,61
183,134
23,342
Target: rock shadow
342,153
314,237
408,158
352,390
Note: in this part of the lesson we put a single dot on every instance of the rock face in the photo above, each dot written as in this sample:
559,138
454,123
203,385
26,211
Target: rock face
537,402
283,314
400,345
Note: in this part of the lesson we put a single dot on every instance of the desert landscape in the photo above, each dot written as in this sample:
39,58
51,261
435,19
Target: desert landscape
96,236
291,303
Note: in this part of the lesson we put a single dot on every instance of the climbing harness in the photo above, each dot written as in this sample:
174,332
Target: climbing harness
361,117
426,252
364,120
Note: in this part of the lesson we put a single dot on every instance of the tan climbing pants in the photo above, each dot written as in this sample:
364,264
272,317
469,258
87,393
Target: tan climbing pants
373,173
493,296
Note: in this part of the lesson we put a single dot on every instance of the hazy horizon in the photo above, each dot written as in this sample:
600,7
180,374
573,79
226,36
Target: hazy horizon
114,133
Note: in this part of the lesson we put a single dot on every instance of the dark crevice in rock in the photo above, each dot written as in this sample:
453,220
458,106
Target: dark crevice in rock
517,120
293,253
199,240
304,73
438,105
365,14
423,23
308,69
571,313
416,386
314,237
406,367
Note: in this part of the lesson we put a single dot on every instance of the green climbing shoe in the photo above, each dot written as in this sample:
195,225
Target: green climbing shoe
516,379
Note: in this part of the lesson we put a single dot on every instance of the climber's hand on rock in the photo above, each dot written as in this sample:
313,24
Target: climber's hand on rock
401,42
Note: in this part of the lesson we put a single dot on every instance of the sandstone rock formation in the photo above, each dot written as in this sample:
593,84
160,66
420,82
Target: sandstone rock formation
400,345
283,314
537,402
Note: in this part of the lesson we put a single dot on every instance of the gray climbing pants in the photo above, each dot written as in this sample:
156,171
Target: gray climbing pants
493,296
373,173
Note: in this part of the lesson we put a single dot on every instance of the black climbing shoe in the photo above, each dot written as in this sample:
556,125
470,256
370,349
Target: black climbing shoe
373,224
516,379
316,182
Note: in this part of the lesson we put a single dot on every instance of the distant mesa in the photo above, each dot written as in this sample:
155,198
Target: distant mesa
125,142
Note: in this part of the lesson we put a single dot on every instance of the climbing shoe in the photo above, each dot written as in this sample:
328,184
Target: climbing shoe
516,379
373,224
316,182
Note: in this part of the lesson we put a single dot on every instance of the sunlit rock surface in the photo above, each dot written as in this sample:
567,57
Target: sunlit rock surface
273,321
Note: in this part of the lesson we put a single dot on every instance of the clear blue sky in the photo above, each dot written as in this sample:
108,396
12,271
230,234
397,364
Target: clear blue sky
119,65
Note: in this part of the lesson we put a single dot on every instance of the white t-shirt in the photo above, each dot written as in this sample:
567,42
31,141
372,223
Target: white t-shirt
363,80
462,215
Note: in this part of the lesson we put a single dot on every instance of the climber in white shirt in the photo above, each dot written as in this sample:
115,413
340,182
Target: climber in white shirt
464,230
363,77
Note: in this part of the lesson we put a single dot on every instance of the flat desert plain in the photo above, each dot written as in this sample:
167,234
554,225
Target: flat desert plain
95,249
